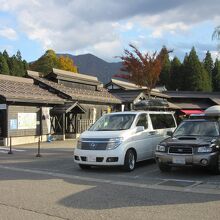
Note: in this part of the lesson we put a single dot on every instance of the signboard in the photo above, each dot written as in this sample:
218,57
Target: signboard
3,106
27,120
13,124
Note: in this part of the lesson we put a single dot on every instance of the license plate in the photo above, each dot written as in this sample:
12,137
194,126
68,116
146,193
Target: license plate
179,160
92,159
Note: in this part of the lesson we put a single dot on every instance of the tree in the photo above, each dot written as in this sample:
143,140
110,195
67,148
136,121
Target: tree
216,76
208,64
165,71
196,78
142,69
216,35
4,69
14,66
49,60
45,63
175,82
5,54
66,63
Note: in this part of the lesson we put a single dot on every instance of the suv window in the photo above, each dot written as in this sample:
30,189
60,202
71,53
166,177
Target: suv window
160,121
198,128
142,121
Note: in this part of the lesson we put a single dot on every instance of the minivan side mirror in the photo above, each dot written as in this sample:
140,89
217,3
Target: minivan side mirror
139,129
170,133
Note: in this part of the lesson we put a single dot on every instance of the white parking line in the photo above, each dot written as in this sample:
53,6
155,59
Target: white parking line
13,149
113,182
3,151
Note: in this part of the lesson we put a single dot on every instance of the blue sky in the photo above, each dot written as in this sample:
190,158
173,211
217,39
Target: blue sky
105,28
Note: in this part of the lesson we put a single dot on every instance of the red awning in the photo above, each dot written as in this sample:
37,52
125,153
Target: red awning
189,112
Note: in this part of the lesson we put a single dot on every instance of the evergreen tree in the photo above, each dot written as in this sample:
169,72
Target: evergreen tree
22,69
17,66
14,66
183,73
6,56
4,69
208,64
216,76
175,75
165,72
196,77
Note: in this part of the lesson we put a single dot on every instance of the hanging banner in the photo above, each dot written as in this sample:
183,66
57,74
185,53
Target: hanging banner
27,120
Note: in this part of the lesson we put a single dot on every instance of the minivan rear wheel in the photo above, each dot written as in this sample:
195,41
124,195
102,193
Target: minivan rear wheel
130,160
164,167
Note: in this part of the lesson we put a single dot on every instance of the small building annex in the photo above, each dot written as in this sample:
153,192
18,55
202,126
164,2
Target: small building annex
24,110
130,94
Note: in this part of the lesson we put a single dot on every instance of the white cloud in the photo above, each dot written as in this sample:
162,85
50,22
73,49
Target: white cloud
8,33
82,25
215,55
172,28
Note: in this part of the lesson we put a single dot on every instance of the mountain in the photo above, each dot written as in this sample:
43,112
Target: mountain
94,66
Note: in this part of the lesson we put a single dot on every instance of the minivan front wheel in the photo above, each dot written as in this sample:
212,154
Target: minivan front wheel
130,161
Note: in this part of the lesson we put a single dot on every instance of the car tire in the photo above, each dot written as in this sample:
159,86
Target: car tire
164,167
216,168
84,166
130,160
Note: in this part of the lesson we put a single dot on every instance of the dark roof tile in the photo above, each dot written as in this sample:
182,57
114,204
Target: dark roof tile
23,90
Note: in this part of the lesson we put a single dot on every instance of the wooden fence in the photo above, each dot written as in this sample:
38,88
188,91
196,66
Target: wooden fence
83,124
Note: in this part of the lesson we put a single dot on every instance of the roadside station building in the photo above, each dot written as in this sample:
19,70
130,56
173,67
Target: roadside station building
63,104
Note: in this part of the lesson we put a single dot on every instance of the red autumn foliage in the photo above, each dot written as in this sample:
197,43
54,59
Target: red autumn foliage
142,69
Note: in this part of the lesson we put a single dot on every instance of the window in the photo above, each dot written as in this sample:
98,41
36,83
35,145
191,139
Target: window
161,121
198,128
142,121
113,122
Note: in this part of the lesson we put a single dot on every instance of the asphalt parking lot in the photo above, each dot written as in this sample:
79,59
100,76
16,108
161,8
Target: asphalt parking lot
182,186
57,158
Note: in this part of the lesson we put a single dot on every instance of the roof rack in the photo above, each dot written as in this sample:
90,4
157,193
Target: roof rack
152,104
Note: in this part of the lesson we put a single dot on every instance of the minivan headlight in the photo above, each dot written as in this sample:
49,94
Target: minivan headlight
114,143
204,149
160,148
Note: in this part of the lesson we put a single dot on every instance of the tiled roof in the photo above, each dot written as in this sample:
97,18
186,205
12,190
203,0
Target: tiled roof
71,76
23,90
192,94
191,105
131,95
127,95
126,85
101,96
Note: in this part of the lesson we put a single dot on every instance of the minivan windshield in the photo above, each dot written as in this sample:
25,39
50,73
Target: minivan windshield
197,128
113,122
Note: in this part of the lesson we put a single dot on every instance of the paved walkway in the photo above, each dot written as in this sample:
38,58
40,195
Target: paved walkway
69,143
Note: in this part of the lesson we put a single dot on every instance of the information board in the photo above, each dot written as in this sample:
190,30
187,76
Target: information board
27,120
